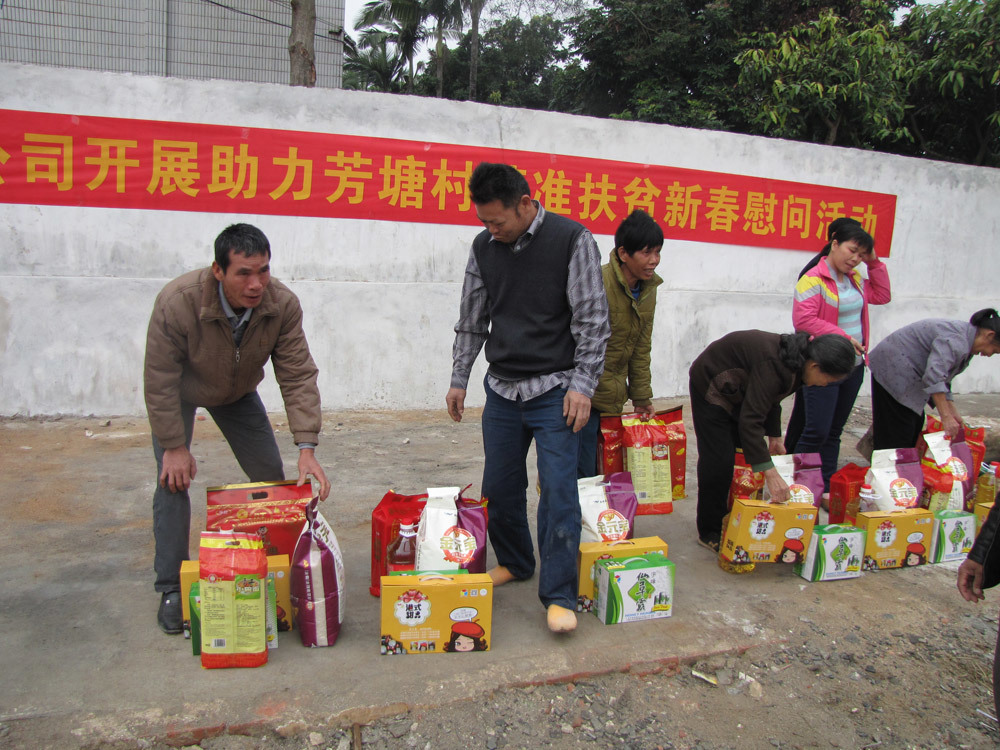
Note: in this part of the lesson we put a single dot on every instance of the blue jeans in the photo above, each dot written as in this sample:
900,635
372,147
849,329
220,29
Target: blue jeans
587,465
508,429
818,418
245,426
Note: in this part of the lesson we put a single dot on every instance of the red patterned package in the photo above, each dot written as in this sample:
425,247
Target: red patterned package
274,511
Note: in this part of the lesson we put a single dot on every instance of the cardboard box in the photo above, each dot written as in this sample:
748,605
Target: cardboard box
630,589
433,614
835,552
954,532
758,531
896,539
590,552
277,569
982,510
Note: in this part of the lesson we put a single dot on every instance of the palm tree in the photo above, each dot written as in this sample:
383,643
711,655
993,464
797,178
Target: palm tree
475,8
374,63
447,15
403,21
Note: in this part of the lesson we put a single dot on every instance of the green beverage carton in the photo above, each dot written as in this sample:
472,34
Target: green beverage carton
835,552
630,589
954,532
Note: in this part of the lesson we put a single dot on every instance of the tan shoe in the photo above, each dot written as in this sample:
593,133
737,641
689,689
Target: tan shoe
561,620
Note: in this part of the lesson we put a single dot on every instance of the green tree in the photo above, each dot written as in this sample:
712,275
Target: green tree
403,21
518,64
827,81
954,101
447,18
673,61
373,64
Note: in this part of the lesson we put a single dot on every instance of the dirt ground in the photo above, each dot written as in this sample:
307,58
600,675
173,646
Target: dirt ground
893,660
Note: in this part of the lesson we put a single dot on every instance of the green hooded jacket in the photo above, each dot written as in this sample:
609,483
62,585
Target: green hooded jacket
626,361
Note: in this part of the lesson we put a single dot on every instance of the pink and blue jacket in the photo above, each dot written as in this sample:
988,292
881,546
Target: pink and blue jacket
817,301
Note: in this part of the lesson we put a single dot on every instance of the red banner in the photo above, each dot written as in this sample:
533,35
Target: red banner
67,160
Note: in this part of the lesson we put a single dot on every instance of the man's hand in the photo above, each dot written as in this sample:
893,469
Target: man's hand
775,446
576,409
309,465
970,581
645,411
776,487
456,403
179,468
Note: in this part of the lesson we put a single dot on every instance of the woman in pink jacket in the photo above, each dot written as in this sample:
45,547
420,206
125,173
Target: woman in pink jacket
833,297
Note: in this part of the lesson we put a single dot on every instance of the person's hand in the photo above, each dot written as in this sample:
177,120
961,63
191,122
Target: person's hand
970,581
776,487
179,468
951,423
858,346
576,409
776,446
645,411
308,465
455,399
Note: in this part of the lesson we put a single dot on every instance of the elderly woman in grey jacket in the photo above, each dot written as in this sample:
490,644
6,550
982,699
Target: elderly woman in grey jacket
915,365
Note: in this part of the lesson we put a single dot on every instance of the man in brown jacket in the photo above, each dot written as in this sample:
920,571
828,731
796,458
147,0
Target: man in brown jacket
210,334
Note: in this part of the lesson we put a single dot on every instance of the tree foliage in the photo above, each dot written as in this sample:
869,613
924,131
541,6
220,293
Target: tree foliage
954,103
827,80
518,64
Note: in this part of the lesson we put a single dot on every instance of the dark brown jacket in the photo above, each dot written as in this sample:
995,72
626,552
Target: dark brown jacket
743,374
191,356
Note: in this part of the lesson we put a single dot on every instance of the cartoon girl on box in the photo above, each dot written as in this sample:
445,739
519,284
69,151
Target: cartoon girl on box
916,554
466,636
792,552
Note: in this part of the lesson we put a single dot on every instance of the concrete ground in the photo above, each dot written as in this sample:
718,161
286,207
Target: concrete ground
84,663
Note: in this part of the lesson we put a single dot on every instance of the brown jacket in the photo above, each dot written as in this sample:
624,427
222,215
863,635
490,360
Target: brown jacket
743,374
191,356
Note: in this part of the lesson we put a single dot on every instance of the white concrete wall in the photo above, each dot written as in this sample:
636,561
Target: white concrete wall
381,298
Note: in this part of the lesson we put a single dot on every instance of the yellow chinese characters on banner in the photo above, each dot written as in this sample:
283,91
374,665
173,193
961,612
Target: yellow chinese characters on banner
69,160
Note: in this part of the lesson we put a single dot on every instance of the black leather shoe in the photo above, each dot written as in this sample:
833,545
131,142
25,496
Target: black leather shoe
170,615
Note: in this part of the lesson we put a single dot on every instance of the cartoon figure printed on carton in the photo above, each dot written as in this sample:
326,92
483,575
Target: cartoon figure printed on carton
916,554
466,636
740,555
792,551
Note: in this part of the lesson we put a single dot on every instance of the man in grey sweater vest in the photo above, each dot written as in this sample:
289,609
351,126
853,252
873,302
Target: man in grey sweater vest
533,294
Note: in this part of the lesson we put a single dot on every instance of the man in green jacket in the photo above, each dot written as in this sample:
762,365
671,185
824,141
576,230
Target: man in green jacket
209,337
630,282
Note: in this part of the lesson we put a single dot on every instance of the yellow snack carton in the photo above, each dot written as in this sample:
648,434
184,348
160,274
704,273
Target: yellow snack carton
591,552
435,613
896,539
759,531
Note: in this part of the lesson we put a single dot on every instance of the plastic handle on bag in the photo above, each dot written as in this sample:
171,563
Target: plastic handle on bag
435,577
621,541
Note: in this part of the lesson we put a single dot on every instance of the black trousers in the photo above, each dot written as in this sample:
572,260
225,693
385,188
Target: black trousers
893,425
717,438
